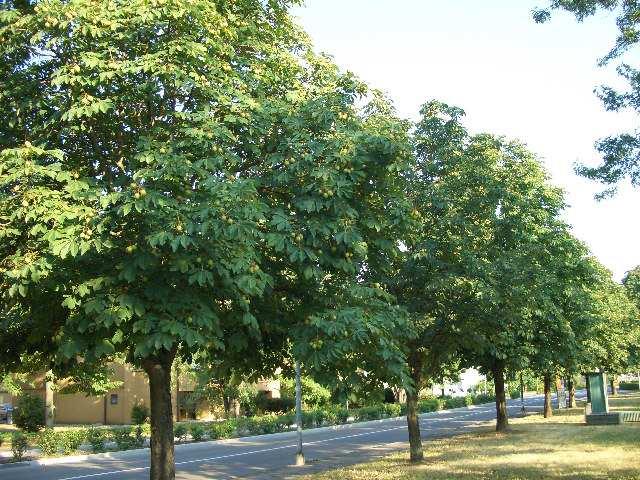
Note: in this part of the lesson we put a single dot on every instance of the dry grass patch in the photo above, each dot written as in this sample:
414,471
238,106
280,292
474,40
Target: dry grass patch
561,447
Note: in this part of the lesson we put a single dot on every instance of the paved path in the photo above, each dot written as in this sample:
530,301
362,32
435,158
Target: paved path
270,456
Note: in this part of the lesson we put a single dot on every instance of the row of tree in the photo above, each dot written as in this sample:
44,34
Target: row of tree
189,180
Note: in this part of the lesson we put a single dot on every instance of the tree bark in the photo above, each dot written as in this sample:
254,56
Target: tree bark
548,410
588,388
158,369
502,419
415,441
614,391
571,387
49,407
415,361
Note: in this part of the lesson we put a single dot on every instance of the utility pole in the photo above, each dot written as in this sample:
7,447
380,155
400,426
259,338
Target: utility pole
299,454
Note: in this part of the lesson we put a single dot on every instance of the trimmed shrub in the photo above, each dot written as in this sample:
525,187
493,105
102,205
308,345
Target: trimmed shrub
19,445
373,412
96,437
224,429
47,441
70,440
455,402
483,398
308,419
124,438
342,414
429,405
29,413
139,414
628,385
139,436
180,431
285,421
392,409
197,431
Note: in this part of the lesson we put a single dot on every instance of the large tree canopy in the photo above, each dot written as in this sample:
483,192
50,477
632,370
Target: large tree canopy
183,175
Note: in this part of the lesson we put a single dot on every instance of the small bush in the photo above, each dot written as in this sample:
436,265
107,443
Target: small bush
70,440
429,405
392,409
29,414
96,437
197,431
139,436
341,415
258,425
455,402
308,419
514,394
139,414
373,412
483,398
224,429
285,421
19,445
47,441
124,438
180,431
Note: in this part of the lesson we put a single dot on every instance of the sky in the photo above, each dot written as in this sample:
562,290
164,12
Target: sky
513,77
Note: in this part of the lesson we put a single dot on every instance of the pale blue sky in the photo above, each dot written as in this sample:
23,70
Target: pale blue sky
512,77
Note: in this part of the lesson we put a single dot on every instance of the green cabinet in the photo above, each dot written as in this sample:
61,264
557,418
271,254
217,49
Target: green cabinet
598,391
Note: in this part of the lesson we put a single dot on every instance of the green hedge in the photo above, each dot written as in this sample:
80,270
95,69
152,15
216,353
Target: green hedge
56,442
629,385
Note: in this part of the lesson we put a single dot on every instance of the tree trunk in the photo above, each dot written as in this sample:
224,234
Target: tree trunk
162,450
415,441
571,387
49,407
548,410
588,388
502,419
614,391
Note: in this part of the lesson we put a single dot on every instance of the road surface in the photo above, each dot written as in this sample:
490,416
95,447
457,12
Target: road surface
270,456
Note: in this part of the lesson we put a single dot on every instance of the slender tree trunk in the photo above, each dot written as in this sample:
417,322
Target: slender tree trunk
502,419
614,391
49,407
588,388
415,362
415,441
162,449
571,387
548,410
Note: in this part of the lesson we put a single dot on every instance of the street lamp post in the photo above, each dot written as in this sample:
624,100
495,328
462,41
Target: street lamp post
299,453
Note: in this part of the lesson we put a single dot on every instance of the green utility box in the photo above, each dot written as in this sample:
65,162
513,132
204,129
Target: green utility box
598,391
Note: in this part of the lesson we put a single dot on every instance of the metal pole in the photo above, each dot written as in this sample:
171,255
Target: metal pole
299,454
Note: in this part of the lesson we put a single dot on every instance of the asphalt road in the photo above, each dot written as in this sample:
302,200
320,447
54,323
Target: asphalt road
270,456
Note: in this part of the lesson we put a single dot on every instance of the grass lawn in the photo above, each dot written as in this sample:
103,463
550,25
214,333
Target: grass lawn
561,447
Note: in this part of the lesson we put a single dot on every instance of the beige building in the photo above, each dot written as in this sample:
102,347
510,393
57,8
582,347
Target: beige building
114,408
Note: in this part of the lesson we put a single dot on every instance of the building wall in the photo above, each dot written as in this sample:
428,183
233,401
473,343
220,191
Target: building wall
114,408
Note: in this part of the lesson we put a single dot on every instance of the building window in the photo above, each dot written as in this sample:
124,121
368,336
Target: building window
114,399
